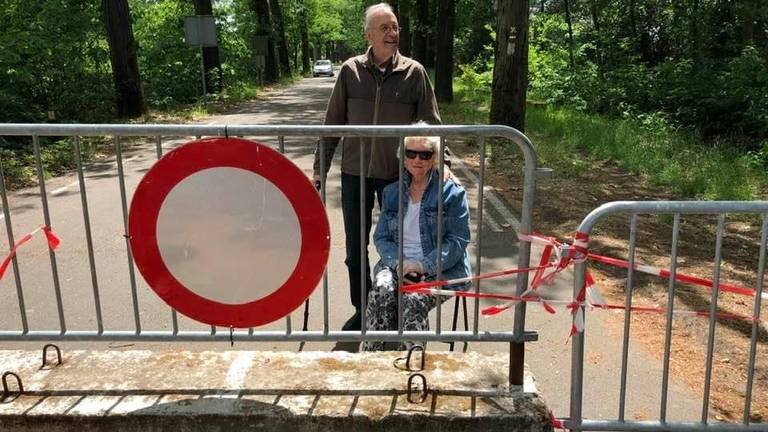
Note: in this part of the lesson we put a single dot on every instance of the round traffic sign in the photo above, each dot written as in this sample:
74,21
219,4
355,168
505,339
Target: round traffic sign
229,232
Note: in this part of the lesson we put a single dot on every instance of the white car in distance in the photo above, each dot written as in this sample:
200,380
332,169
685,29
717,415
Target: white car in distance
322,67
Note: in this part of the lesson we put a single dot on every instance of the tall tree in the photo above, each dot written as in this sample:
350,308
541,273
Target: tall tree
282,43
429,58
125,66
211,61
446,18
264,29
510,73
304,30
404,18
570,33
421,31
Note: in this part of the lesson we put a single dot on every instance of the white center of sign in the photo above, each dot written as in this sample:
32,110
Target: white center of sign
229,235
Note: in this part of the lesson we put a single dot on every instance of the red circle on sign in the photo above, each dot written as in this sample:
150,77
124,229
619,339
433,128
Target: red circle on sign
250,156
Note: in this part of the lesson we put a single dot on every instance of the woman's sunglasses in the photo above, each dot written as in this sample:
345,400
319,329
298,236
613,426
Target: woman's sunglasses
423,155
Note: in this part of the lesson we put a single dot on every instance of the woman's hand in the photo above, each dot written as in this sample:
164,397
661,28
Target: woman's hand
410,266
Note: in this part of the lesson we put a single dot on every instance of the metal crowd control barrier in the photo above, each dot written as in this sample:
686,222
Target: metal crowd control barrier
675,208
516,337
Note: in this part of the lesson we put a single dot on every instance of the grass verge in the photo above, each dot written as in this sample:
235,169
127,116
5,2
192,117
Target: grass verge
677,160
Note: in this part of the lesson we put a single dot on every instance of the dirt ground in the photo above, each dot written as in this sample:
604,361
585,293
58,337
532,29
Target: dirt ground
563,201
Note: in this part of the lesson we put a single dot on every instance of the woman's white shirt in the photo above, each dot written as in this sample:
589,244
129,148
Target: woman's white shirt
412,233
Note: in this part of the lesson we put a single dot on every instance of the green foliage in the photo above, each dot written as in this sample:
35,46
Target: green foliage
570,140
697,67
170,70
57,157
54,60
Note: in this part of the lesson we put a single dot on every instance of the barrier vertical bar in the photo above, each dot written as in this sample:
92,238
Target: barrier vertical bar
479,258
288,322
88,236
326,304
47,218
174,315
713,317
159,146
627,316
440,229
400,233
517,349
11,242
124,202
670,311
755,321
577,355
363,240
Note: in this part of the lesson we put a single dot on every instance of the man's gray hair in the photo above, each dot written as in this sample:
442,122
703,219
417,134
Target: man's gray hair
375,8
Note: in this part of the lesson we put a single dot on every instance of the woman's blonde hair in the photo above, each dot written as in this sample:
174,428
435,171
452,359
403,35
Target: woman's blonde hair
432,142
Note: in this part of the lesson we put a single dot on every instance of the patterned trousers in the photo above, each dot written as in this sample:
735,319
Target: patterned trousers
381,311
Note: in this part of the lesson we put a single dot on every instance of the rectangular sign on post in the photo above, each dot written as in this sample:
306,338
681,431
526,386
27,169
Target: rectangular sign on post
200,30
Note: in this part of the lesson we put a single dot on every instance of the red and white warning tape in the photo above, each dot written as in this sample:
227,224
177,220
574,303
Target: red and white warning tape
555,258
53,243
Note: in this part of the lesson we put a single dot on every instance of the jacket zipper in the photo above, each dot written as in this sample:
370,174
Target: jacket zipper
376,103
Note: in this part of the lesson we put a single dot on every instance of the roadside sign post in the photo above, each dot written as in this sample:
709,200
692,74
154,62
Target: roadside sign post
200,31
260,47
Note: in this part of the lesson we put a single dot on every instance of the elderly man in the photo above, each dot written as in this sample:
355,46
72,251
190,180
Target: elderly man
380,87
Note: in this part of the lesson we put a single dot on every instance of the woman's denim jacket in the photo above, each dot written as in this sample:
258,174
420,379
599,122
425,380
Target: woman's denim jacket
456,235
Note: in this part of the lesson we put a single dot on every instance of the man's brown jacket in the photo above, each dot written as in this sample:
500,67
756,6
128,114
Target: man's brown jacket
363,95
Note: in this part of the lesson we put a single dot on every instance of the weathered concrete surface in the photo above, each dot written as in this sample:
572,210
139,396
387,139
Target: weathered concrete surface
276,391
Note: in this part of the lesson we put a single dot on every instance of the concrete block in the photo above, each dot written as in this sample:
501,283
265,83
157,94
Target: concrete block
274,391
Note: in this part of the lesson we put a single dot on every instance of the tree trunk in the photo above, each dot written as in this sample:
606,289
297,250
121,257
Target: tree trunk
304,24
122,50
510,73
211,61
593,10
420,30
633,20
264,29
404,18
446,18
695,42
282,44
595,17
570,33
429,57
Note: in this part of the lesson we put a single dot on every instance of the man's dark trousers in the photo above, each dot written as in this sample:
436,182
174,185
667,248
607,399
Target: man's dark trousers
350,205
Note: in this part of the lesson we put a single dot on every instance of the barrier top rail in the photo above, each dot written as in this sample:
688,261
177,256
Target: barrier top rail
670,207
498,131
44,129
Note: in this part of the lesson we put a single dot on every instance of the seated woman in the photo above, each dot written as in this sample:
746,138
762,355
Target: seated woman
420,195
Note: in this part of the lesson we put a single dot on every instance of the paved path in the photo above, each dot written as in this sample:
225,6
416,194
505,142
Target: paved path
302,103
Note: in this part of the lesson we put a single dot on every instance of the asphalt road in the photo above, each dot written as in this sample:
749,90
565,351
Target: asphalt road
302,103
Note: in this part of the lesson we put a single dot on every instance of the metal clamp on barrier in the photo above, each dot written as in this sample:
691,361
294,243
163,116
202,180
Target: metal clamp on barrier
408,359
45,355
6,392
422,393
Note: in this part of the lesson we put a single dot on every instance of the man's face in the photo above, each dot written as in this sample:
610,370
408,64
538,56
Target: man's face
383,35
